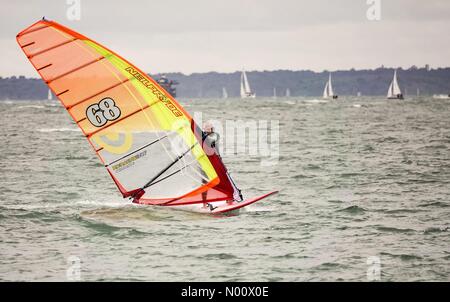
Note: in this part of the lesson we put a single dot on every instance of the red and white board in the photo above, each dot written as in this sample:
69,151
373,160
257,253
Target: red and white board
221,207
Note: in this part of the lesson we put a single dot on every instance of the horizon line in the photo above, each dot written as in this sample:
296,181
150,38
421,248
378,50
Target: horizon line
276,70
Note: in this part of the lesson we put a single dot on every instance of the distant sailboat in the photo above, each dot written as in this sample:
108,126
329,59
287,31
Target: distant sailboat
394,91
246,91
288,92
49,95
274,92
328,90
224,93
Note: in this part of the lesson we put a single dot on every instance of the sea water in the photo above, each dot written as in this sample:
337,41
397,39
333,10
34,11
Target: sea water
364,195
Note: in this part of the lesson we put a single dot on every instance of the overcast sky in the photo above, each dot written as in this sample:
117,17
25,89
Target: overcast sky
225,36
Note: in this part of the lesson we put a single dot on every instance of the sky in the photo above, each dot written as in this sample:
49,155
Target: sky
225,36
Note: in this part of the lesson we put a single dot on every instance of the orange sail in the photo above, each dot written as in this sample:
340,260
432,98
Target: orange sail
149,144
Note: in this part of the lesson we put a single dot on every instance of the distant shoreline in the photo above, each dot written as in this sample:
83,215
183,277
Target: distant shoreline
369,82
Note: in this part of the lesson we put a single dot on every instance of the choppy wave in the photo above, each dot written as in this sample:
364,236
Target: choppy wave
438,204
220,256
403,257
316,101
31,106
354,184
102,203
354,209
395,230
436,229
109,230
401,211
59,130
254,208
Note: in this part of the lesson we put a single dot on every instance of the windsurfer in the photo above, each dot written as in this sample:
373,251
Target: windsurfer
211,139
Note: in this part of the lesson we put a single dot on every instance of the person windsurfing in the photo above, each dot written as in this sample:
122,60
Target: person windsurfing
211,139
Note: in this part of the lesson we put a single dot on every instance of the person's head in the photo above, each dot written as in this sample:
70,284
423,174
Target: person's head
208,127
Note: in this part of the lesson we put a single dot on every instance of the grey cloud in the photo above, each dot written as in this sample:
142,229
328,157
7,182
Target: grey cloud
203,35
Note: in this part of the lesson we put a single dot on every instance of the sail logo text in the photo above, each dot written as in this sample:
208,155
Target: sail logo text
147,83
128,162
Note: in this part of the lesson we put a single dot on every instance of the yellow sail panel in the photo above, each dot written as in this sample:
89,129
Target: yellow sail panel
144,138
168,115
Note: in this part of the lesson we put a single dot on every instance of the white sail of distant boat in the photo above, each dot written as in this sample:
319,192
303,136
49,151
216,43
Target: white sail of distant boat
274,92
394,91
288,92
224,93
328,90
49,95
246,91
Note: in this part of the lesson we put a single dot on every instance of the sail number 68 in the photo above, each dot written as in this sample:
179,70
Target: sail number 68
99,114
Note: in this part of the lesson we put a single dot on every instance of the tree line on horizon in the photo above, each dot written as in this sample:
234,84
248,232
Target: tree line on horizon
372,82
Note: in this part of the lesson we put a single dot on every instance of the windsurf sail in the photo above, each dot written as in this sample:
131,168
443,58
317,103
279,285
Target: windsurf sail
149,144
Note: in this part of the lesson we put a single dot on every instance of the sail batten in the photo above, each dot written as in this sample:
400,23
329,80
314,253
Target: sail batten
31,30
96,94
50,48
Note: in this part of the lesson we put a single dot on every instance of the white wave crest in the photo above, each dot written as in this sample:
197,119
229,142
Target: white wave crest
31,106
316,101
59,130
